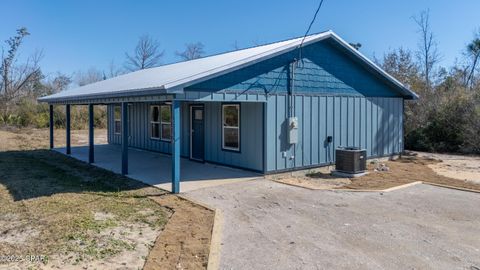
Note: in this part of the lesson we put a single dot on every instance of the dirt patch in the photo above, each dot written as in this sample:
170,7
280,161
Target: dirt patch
76,216
465,168
404,170
185,241
319,179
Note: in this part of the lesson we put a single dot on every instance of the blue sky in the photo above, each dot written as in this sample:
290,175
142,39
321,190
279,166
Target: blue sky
77,35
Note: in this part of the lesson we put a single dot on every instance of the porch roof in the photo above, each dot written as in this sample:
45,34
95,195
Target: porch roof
172,78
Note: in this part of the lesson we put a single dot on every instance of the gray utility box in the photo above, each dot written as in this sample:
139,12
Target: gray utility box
351,160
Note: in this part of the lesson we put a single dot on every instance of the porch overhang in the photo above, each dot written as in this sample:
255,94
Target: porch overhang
189,96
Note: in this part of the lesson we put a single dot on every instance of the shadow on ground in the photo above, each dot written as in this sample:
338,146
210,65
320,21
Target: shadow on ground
37,173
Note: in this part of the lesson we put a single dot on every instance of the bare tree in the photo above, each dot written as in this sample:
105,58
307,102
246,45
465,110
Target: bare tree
54,85
235,45
427,52
473,53
16,79
90,76
147,54
192,51
114,70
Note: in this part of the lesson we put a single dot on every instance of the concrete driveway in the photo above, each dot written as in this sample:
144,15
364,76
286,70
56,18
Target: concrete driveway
268,225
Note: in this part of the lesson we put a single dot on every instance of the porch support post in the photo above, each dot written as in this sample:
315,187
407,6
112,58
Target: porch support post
91,156
51,127
124,138
176,146
67,128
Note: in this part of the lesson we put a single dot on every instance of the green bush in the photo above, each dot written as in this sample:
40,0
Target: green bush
451,126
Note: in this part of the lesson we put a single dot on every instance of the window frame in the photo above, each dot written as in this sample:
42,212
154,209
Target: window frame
115,120
151,122
165,123
238,106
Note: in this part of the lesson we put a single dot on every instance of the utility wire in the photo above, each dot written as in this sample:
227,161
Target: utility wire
308,29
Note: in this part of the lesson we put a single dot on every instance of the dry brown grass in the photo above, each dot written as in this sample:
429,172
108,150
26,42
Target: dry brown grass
81,216
28,139
73,213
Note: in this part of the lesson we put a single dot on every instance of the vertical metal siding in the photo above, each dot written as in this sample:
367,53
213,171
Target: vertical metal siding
373,123
250,156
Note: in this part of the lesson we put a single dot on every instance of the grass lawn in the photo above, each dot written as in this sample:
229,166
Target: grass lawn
73,213
57,212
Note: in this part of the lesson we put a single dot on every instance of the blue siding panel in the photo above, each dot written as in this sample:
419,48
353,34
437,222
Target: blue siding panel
330,123
357,119
315,118
344,131
350,121
370,123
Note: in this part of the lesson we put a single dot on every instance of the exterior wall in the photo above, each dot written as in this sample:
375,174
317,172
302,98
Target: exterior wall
373,123
251,133
333,95
139,133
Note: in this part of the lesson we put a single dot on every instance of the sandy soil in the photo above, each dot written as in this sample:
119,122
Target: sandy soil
401,171
456,166
317,179
184,242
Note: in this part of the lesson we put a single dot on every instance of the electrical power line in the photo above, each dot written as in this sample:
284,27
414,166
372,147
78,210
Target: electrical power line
309,27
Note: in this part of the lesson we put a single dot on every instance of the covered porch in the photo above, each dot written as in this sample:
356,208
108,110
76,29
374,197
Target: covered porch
154,168
168,168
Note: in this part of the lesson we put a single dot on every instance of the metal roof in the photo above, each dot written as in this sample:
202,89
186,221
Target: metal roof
173,78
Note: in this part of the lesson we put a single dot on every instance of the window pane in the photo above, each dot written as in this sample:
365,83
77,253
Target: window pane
166,114
231,138
155,130
118,126
117,112
230,116
166,132
155,114
198,114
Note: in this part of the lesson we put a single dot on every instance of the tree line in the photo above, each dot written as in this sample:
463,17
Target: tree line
22,83
446,118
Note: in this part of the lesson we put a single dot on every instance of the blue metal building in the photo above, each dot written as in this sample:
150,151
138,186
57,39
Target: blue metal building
272,108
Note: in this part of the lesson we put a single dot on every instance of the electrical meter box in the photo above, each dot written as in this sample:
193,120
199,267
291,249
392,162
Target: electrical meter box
292,130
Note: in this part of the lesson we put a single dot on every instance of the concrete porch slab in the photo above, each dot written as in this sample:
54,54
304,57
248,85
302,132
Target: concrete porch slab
155,168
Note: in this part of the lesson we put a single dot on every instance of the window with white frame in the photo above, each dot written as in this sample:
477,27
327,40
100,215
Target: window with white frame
166,122
117,122
231,127
155,122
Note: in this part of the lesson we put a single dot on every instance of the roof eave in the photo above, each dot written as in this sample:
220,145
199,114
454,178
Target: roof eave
117,94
